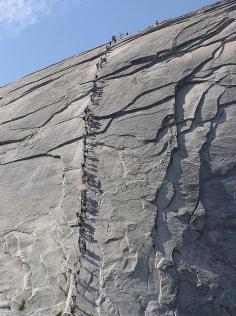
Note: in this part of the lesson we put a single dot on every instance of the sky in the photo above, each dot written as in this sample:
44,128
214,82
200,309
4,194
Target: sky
37,33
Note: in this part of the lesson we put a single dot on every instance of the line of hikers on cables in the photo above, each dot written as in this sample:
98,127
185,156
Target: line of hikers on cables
88,119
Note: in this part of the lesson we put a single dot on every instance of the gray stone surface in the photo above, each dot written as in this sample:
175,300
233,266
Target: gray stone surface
161,209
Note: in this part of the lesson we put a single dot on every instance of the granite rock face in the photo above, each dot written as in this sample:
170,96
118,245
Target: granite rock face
160,216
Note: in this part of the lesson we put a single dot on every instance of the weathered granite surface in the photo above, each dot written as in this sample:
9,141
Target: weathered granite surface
161,205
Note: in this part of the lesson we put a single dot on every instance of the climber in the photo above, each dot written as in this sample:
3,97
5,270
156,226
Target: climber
157,22
85,150
85,174
86,110
98,65
83,247
82,231
83,202
84,193
81,220
83,212
95,89
83,199
103,61
82,165
90,120
114,39
127,33
85,117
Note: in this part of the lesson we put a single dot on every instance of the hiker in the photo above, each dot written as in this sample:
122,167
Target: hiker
81,220
82,231
84,194
104,60
86,110
90,120
85,117
114,39
94,89
82,165
83,202
98,66
83,247
157,22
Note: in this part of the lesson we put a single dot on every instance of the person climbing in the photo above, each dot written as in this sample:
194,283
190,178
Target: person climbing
98,65
82,231
85,117
83,247
87,110
157,22
83,202
81,220
84,194
114,39
90,120
82,165
94,89
104,60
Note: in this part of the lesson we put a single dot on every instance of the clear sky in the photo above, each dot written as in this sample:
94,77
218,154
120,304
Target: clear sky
37,33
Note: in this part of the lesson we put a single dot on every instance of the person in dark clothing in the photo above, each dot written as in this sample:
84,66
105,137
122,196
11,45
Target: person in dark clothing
82,231
92,97
83,247
84,193
81,220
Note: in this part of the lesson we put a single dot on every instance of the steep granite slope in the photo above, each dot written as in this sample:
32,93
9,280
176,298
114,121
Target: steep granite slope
156,236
